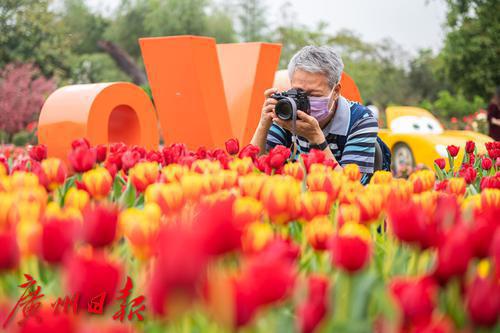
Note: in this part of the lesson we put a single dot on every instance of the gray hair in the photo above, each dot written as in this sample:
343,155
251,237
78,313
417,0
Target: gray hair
318,59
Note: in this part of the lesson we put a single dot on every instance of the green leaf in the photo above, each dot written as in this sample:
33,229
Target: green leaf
128,196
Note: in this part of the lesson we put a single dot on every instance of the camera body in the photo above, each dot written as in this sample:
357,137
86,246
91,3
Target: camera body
289,102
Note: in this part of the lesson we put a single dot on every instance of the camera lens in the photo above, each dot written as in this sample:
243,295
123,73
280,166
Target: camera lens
284,109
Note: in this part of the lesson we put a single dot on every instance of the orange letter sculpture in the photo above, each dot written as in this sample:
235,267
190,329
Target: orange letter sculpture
102,113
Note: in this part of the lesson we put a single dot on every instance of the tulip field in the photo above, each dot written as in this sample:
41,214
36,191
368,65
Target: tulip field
119,239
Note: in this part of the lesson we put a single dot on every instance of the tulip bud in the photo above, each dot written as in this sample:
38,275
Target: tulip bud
247,210
352,172
351,248
486,163
143,174
140,228
456,186
251,185
38,152
98,182
169,197
232,146
483,301
406,220
313,310
256,236
422,180
242,166
319,232
56,172
416,297
381,177
330,183
192,186
101,151
440,162
454,253
76,198
348,213
314,204
281,198
372,201
350,191
453,150
295,170
99,224
82,158
9,250
173,173
469,147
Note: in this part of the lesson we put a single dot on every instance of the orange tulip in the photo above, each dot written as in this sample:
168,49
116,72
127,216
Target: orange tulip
169,197
456,186
21,179
318,232
143,174
350,190
34,194
76,198
256,236
140,228
56,172
98,182
401,189
192,186
314,204
3,170
423,180
490,198
281,198
173,173
381,177
243,166
352,172
427,201
7,212
348,213
295,170
251,185
247,210
206,166
370,203
330,182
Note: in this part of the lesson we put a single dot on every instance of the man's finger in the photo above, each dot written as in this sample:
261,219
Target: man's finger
271,101
270,91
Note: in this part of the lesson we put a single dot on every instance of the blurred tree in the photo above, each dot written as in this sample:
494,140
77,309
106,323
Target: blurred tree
30,32
471,50
220,23
425,78
252,20
82,28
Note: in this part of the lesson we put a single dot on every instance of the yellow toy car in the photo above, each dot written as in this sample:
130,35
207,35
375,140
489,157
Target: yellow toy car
416,137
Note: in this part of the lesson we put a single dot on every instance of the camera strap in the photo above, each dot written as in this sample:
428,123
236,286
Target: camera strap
294,124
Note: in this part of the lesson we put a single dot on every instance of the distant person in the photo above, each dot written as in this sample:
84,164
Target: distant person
373,108
494,116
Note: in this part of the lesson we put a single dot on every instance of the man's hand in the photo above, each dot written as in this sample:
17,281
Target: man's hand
267,115
305,126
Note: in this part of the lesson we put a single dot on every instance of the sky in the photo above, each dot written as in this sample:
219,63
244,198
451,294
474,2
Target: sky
413,24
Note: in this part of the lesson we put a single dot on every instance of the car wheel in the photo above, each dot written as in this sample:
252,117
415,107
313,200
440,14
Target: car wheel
402,158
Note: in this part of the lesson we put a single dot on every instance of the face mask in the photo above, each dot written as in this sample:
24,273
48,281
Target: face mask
319,107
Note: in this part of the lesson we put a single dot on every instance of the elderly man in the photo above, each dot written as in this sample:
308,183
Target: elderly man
345,130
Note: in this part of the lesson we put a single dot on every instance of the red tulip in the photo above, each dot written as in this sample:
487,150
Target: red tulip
101,151
58,237
80,143
440,162
351,248
313,310
90,276
483,301
174,274
454,253
416,297
154,156
278,156
82,159
453,150
486,163
495,252
232,146
469,174
249,151
38,152
439,325
99,224
130,159
469,147
9,250
490,182
406,219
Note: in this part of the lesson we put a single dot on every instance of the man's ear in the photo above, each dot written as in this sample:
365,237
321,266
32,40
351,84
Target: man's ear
337,89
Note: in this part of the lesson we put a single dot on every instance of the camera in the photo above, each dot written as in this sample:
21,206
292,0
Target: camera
289,102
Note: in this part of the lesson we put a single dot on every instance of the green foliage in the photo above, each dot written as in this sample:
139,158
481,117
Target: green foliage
448,105
94,68
22,138
252,20
30,32
471,49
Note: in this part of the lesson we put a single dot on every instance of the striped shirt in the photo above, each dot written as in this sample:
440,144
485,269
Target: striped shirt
351,136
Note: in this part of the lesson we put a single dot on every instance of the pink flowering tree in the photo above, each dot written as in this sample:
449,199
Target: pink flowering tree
22,92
